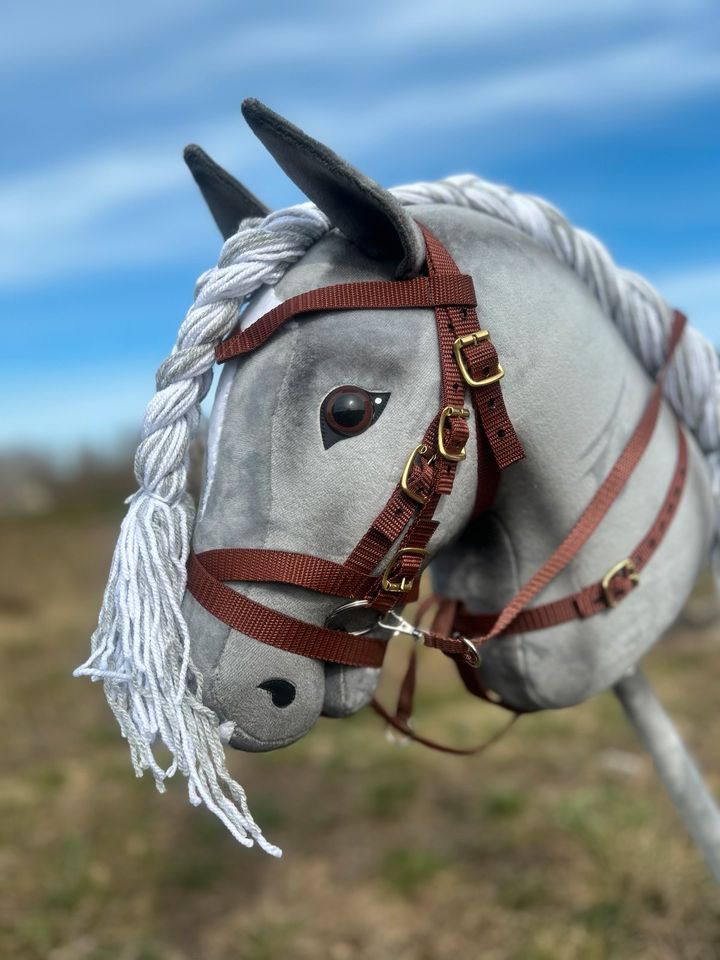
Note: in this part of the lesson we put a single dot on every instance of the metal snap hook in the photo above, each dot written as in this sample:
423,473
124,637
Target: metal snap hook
400,625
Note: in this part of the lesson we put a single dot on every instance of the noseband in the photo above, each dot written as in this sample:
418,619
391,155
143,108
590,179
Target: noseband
384,567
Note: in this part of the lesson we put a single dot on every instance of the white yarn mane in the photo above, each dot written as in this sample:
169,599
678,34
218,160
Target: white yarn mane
141,648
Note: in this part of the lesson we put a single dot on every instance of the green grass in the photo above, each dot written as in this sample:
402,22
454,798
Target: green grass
536,850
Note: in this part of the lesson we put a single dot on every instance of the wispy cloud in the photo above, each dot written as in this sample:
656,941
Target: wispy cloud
75,203
603,107
37,37
325,38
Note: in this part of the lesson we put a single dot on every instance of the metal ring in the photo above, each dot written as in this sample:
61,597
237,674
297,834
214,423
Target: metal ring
351,605
476,659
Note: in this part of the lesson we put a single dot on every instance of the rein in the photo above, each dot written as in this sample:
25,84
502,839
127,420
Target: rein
383,569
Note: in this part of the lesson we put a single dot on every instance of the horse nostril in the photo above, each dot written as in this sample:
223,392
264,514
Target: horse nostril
281,691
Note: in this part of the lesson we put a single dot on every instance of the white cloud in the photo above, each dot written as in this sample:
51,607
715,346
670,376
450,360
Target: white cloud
615,83
92,211
328,38
38,36
62,219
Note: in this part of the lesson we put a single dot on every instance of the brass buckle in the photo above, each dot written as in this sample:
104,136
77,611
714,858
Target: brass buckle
626,566
404,584
420,498
442,449
472,339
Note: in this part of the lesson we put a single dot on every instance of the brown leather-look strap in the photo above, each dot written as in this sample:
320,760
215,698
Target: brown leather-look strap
400,513
248,565
596,597
481,358
455,288
404,527
410,733
277,629
591,517
401,720
600,504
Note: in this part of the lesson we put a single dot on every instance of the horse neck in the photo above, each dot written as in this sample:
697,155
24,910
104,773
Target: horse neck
572,388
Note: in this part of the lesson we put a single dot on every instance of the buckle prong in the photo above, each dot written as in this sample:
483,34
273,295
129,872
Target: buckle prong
471,340
404,584
418,497
445,413
626,566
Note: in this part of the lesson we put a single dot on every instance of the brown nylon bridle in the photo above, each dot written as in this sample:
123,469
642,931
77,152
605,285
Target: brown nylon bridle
383,568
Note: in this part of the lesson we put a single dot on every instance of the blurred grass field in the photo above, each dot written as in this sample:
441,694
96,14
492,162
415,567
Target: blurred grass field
558,844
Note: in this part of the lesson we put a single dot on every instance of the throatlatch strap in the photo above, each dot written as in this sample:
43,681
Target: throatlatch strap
600,504
599,595
590,519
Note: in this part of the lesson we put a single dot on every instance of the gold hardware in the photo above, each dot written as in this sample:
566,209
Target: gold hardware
404,584
442,449
473,654
472,339
420,498
626,566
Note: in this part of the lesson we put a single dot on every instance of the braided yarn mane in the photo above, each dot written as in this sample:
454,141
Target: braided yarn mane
141,647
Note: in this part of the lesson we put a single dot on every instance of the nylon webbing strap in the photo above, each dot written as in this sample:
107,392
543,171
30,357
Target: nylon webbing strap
481,360
277,629
407,521
277,566
452,321
596,597
454,288
590,519
408,516
600,504
401,719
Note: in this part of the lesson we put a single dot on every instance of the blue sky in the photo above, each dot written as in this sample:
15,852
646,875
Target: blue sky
610,110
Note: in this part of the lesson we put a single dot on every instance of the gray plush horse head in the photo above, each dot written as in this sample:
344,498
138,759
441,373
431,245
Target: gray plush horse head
282,475
309,435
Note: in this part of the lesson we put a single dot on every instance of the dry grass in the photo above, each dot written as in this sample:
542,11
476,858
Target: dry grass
559,844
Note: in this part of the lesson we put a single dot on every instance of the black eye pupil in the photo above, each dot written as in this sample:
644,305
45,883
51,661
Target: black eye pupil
349,410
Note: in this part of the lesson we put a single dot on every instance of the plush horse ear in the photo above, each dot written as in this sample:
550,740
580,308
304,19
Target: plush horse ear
229,201
367,214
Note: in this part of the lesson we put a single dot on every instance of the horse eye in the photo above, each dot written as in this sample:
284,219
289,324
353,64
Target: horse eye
348,411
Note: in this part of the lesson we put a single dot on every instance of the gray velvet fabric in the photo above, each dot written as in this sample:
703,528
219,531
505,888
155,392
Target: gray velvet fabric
228,200
275,486
366,213
574,393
